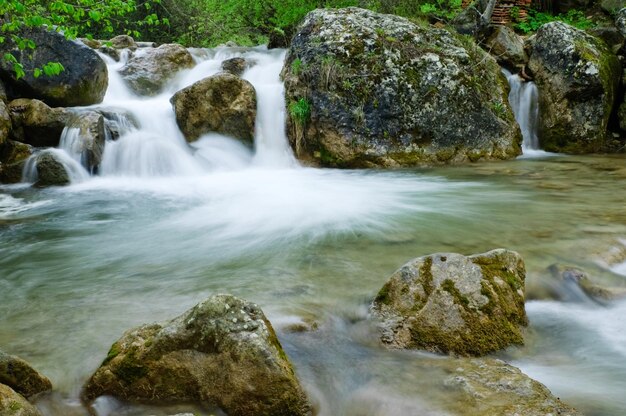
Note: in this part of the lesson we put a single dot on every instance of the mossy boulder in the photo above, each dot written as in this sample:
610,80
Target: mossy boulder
491,387
367,89
83,82
450,303
223,103
222,352
13,155
578,79
13,404
21,377
150,69
37,124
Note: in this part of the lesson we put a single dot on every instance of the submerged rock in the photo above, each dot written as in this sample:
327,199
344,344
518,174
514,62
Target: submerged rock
223,103
494,388
575,281
367,89
221,352
578,79
150,69
450,303
13,404
21,377
83,82
37,124
13,155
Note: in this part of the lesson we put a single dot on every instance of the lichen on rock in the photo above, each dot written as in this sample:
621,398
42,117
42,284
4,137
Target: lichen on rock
367,89
222,352
450,303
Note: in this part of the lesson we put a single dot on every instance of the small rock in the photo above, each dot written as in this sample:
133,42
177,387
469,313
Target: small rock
123,42
5,122
50,170
451,303
13,155
150,69
21,377
574,281
85,136
204,356
223,103
507,47
235,66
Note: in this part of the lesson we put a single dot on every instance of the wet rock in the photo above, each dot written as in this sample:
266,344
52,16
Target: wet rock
123,42
5,123
110,52
620,21
494,388
118,121
365,89
150,69
451,303
13,155
507,47
575,281
235,66
21,377
3,93
222,352
223,103
37,124
578,78
85,135
92,43
610,35
50,170
13,404
83,82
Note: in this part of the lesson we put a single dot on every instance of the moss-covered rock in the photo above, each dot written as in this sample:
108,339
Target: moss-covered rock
13,404
235,66
149,69
223,103
367,89
222,352
13,155
578,79
84,80
49,169
493,388
21,377
451,303
5,122
37,124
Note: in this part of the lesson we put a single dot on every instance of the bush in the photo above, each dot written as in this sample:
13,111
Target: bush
536,19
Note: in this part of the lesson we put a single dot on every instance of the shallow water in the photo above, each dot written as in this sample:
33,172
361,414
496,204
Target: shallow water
79,265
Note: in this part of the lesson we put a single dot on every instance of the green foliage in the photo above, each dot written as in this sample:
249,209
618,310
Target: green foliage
442,9
300,111
73,18
536,19
296,66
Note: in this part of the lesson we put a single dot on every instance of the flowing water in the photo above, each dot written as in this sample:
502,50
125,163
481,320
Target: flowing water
166,225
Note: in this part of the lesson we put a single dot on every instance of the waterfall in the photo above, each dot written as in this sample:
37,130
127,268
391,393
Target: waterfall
75,171
524,101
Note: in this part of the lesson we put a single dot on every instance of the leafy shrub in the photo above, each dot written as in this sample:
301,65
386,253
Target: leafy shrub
536,19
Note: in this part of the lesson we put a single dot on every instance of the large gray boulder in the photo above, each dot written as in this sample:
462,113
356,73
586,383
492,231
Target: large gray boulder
222,352
21,377
13,404
489,387
150,69
223,103
37,124
450,303
83,82
578,79
13,156
367,89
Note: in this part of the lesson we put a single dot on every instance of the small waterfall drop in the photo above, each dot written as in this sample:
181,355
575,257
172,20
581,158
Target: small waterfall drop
524,101
75,171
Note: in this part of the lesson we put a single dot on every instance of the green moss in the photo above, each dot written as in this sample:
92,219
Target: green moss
427,276
383,295
460,299
130,369
113,352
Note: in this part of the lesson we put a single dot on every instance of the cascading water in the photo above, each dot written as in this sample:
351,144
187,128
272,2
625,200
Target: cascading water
524,101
